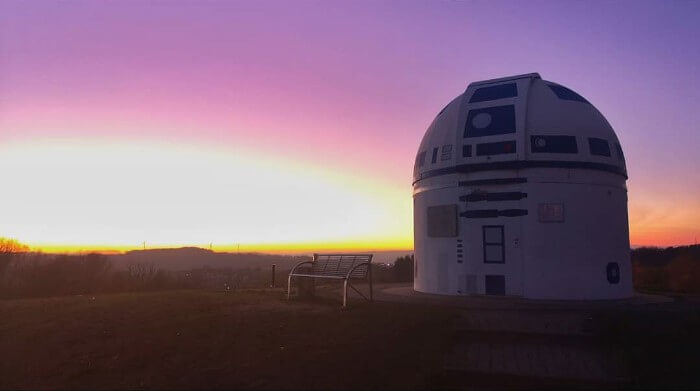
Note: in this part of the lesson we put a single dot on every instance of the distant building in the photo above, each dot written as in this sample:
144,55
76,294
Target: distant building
519,189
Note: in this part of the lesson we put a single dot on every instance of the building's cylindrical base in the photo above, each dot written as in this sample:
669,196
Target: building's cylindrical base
545,234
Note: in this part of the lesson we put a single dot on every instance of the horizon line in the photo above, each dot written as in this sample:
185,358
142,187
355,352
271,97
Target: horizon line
254,249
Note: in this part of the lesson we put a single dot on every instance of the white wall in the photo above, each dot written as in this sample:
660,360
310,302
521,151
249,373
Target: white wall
564,260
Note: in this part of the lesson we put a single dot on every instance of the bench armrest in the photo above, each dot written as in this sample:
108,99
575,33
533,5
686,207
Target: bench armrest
299,264
369,265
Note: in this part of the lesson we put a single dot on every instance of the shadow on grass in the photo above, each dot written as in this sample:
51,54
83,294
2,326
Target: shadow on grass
662,348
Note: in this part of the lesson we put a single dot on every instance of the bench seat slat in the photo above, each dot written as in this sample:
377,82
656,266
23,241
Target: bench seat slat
339,265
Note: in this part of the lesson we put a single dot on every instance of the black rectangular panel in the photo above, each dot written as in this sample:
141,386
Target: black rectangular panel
499,148
466,151
566,94
473,197
480,214
599,146
506,196
553,144
501,91
435,153
490,121
512,212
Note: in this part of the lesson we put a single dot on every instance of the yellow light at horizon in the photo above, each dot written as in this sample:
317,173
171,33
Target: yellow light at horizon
118,194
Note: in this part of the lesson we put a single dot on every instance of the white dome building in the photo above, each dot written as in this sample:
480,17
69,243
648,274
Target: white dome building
519,190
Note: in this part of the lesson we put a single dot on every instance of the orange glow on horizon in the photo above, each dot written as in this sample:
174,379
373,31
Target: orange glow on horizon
658,237
647,239
271,248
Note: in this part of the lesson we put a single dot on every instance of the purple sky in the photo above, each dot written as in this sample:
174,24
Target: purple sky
352,86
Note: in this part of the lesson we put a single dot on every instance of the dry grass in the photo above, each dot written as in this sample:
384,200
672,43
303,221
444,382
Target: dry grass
205,340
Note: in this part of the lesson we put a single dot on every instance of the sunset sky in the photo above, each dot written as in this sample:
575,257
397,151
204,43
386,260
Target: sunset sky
293,125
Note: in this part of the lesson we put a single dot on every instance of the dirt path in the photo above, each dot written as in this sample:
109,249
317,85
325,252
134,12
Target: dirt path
524,344
536,347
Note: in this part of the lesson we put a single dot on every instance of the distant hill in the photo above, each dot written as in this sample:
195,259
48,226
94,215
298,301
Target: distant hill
388,256
186,258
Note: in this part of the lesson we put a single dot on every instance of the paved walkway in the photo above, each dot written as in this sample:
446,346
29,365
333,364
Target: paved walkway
533,339
531,344
404,293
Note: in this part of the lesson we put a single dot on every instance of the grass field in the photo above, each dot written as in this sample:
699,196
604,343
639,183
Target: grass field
206,340
198,339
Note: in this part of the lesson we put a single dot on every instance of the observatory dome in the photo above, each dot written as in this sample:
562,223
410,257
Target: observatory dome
528,122
519,189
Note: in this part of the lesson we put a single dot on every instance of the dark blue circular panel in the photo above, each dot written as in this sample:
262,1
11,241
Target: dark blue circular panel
613,270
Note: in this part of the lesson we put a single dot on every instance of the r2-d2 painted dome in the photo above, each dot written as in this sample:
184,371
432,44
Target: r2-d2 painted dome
519,190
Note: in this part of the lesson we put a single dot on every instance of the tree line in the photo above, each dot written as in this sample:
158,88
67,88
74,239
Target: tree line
31,274
670,269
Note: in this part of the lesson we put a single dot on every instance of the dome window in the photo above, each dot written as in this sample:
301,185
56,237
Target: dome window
466,151
499,148
490,121
446,152
553,144
433,160
599,147
566,94
501,91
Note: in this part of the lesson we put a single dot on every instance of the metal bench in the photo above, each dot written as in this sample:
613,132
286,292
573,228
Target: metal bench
335,267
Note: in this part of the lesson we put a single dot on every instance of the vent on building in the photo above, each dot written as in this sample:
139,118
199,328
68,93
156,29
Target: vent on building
495,285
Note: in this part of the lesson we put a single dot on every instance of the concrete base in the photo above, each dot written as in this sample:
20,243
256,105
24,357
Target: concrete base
405,293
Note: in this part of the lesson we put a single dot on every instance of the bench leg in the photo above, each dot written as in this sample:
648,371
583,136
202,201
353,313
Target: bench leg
345,293
289,287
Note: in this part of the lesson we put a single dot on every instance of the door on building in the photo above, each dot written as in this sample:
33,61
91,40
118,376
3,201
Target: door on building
492,213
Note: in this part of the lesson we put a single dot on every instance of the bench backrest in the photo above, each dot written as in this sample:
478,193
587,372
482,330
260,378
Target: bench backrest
340,264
